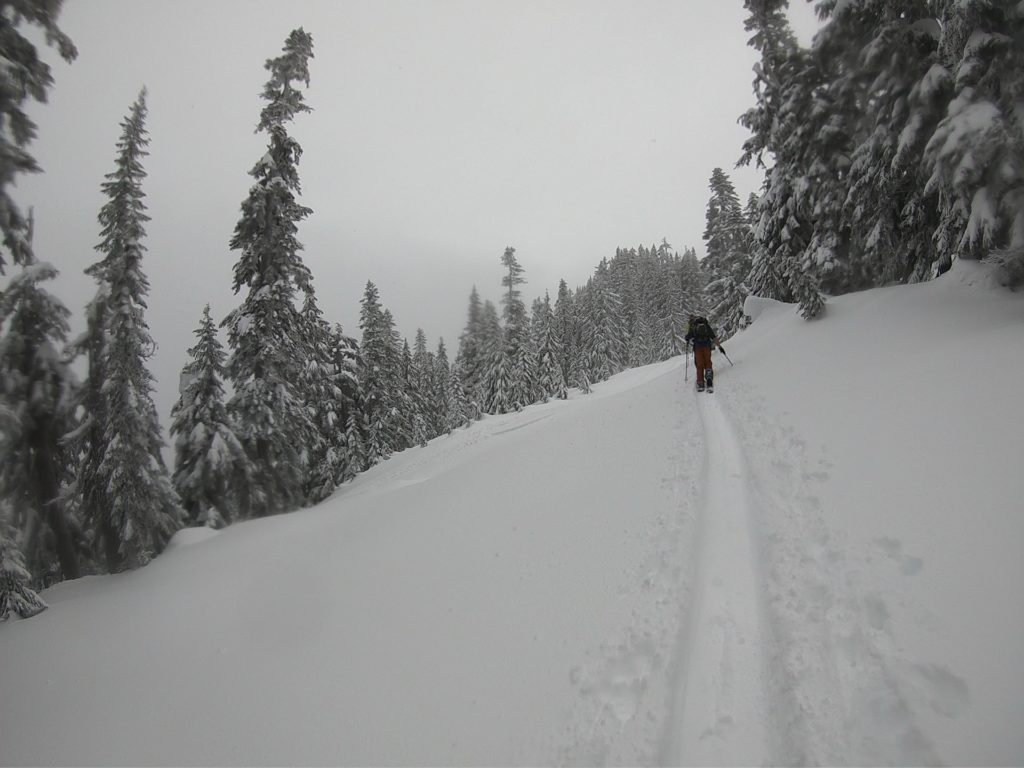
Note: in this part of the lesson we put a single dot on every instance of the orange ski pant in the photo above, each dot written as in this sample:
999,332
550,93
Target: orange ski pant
702,359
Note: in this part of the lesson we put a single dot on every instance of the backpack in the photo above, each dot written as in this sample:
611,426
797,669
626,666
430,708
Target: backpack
702,330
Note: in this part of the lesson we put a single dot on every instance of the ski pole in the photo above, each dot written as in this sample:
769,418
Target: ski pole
722,350
686,368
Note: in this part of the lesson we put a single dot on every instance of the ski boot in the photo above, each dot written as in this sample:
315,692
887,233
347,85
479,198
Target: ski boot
709,380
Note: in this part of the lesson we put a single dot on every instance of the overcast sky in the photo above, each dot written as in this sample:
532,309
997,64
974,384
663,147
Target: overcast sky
442,132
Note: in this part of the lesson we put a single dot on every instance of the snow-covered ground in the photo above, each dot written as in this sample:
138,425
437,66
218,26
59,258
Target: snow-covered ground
819,563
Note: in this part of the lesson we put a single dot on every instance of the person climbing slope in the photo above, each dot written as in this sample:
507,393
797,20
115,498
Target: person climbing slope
702,337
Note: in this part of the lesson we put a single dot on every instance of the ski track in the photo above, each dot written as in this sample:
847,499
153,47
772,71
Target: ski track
840,689
627,682
720,715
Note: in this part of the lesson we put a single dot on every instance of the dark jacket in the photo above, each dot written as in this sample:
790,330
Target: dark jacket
701,340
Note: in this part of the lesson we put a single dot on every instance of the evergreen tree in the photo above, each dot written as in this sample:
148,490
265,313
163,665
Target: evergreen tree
727,235
16,596
331,396
462,410
492,339
551,381
975,158
379,383
440,393
425,377
605,338
23,76
413,406
345,373
211,469
680,286
786,83
26,426
142,508
38,391
566,330
512,380
878,56
265,332
472,356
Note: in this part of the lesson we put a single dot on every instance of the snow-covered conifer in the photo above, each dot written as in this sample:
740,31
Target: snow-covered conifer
379,380
140,508
492,338
211,469
330,392
265,332
786,84
473,355
727,238
429,386
453,405
16,594
38,391
512,379
605,337
550,379
975,158
566,329
412,402
23,76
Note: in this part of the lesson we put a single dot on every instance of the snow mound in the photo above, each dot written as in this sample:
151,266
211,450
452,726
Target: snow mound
189,536
977,274
753,306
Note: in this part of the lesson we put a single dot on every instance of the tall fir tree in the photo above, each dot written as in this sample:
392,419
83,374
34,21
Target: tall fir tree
727,236
39,391
878,56
784,87
566,329
211,469
16,594
453,406
975,158
550,379
412,407
605,337
473,356
511,381
424,380
141,509
329,386
23,76
265,332
379,382
345,370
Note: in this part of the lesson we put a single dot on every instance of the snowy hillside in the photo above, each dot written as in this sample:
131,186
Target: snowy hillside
819,563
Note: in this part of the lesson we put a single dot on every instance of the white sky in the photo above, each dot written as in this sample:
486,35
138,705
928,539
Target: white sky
442,131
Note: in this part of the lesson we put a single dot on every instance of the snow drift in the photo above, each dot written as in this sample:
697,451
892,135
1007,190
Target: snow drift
817,564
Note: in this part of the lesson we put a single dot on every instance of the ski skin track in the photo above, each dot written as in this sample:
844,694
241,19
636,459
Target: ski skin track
721,711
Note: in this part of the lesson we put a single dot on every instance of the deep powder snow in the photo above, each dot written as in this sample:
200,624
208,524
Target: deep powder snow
819,563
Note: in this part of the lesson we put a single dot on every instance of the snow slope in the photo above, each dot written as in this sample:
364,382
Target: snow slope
820,563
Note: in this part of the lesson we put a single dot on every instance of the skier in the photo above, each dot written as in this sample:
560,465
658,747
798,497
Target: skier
702,337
